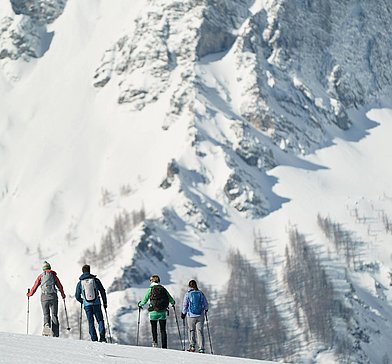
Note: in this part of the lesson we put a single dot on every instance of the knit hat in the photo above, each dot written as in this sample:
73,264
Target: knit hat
46,266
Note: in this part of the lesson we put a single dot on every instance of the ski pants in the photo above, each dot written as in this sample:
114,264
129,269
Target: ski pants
154,329
196,329
50,310
91,312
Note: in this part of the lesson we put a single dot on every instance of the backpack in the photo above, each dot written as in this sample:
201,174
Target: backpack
159,298
48,283
196,302
89,289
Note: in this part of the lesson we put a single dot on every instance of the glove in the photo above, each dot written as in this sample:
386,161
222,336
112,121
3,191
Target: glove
63,296
105,305
139,305
206,310
183,315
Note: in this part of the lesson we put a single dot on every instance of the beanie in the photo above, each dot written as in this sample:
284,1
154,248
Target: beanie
46,266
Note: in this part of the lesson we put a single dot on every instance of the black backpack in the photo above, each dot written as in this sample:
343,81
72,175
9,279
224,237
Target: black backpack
159,298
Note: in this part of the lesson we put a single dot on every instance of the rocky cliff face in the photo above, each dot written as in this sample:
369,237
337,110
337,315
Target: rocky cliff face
306,63
23,33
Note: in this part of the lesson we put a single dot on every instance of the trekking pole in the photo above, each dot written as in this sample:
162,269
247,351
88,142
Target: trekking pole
80,322
107,320
28,310
208,330
66,315
183,323
178,326
138,327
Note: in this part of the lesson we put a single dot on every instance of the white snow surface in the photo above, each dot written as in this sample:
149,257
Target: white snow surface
63,142
16,348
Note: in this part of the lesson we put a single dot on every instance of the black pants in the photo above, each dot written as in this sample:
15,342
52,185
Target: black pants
154,329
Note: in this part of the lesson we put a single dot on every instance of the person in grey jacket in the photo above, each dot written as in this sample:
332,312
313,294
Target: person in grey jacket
194,306
88,290
48,281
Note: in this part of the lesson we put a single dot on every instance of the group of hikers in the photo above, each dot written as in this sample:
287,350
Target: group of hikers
90,291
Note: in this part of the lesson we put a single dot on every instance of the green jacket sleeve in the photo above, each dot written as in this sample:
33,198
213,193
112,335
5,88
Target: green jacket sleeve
146,297
171,300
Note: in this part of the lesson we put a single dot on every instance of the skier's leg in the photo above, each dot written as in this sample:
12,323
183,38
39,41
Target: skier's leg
90,318
192,327
101,324
46,312
54,307
154,331
200,333
162,326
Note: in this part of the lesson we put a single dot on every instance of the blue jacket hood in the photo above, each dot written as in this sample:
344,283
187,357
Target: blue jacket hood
86,275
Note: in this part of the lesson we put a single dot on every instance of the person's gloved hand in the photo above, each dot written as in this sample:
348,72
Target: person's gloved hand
139,304
206,310
63,296
183,315
105,305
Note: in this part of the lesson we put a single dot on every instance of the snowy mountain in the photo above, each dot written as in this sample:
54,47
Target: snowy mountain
226,141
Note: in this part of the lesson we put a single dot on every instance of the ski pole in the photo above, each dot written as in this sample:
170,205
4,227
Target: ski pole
107,320
183,323
28,310
178,327
138,327
66,315
80,322
208,330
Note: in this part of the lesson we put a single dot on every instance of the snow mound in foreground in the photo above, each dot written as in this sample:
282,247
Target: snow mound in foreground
16,348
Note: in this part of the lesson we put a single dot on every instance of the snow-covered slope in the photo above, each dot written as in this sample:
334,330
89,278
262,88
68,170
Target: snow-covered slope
31,349
193,139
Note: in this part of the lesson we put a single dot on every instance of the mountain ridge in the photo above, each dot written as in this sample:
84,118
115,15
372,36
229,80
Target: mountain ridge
162,155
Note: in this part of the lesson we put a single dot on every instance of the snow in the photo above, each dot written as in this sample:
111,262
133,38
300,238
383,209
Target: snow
16,348
63,142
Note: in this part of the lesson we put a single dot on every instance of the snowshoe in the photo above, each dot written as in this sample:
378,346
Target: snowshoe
47,331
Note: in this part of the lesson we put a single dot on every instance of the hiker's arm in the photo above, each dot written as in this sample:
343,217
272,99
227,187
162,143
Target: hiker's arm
145,298
171,299
102,292
205,303
78,292
185,304
59,286
35,286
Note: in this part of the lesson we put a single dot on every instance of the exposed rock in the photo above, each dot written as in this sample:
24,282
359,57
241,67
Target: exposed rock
42,12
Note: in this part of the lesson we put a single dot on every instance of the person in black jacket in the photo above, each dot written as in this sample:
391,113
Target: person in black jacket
88,290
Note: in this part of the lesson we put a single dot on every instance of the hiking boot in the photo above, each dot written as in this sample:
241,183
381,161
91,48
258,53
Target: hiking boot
154,344
192,349
102,339
202,351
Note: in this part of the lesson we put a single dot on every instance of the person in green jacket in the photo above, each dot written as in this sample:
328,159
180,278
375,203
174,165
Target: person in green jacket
159,302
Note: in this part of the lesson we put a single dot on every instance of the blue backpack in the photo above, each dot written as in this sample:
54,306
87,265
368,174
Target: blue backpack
196,302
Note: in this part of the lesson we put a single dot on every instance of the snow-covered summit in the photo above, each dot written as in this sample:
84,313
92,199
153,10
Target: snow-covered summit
177,137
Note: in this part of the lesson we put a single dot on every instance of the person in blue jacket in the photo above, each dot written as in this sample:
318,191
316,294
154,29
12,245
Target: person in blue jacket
194,306
88,290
